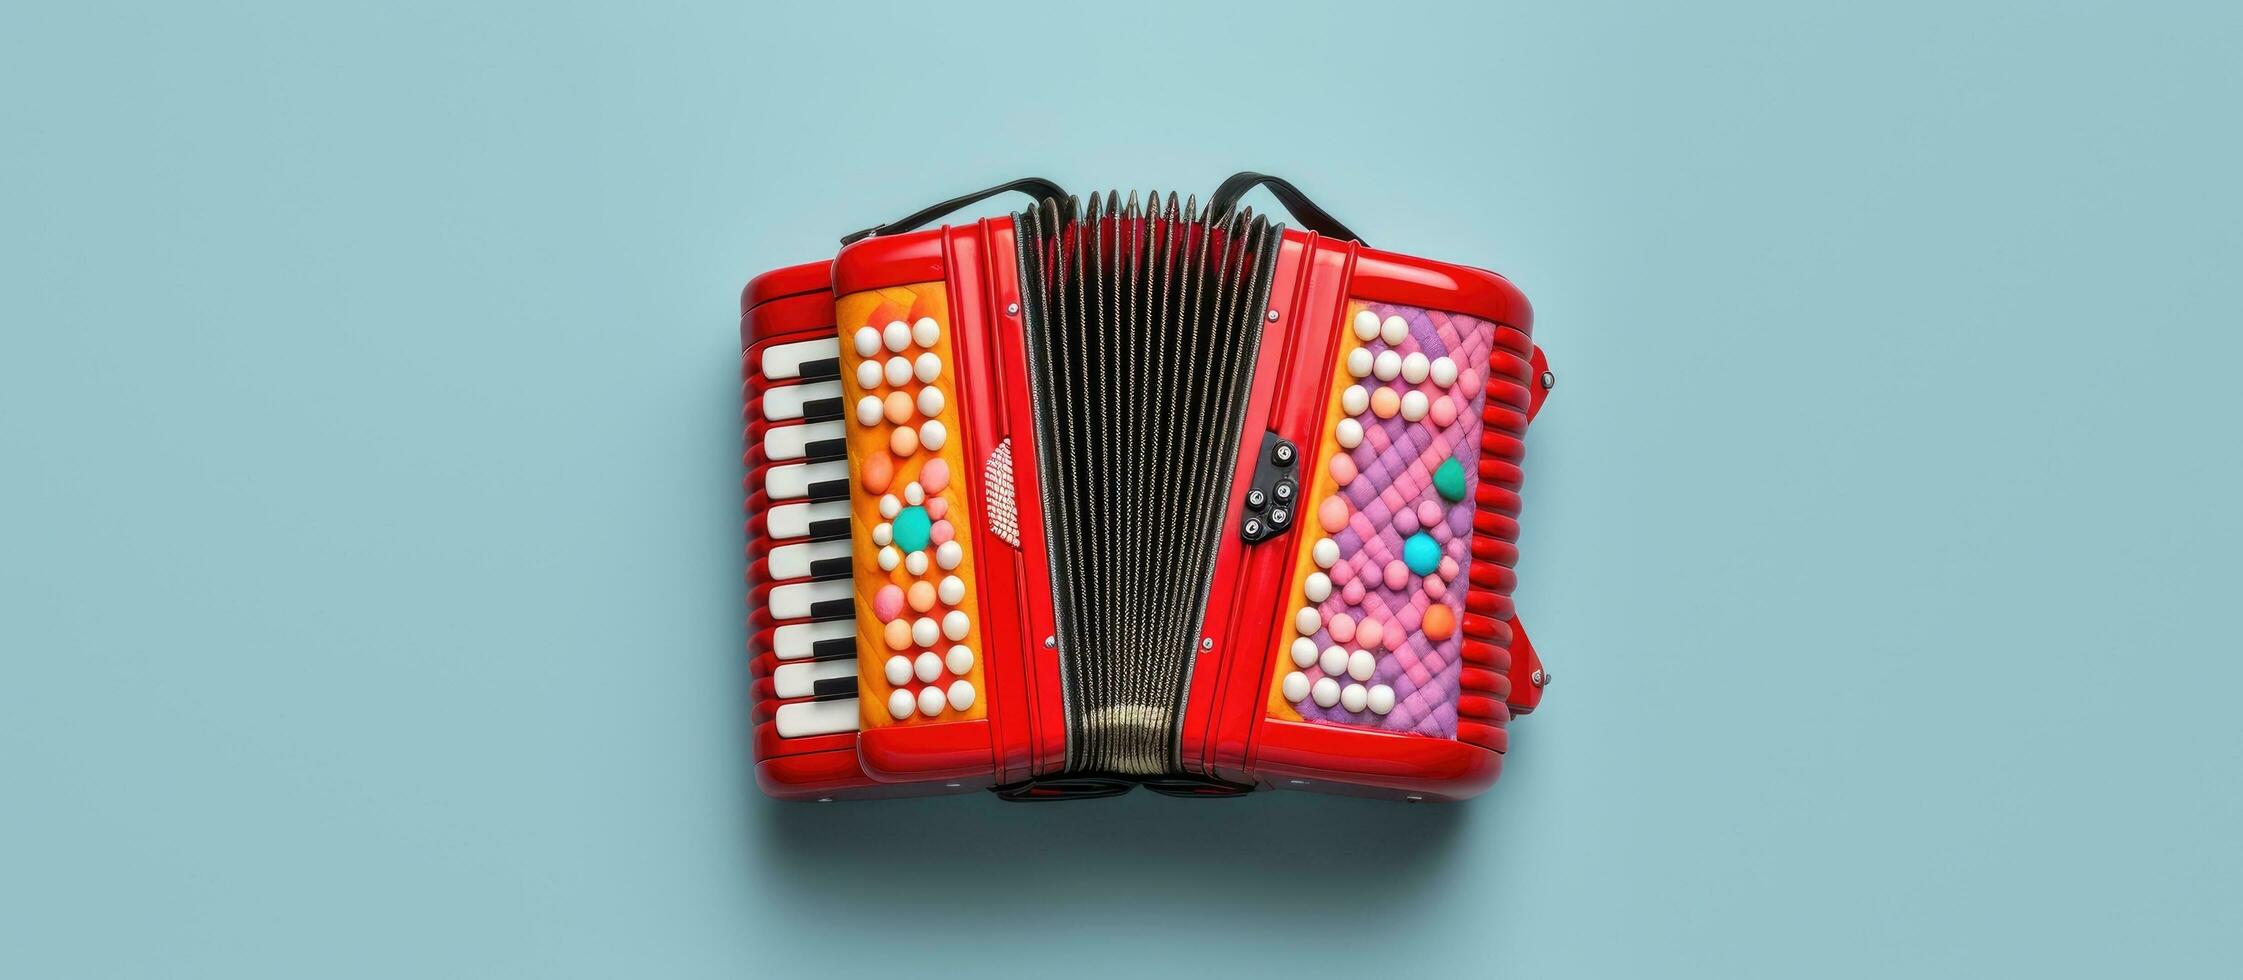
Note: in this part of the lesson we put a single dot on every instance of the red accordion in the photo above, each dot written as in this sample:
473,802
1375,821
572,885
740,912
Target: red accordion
1106,494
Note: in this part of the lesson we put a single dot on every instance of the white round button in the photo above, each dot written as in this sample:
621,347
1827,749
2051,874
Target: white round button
1355,400
1395,330
1326,552
949,554
955,624
927,667
915,563
868,374
952,591
961,695
934,435
1359,361
1366,325
924,633
930,401
899,704
1295,686
1443,372
1349,433
897,335
898,670
1326,692
890,558
929,367
1361,664
960,659
1415,367
868,410
899,370
930,701
1414,405
926,332
1353,697
1318,587
890,506
1304,652
1307,621
883,534
914,494
1382,699
1387,365
868,341
1333,662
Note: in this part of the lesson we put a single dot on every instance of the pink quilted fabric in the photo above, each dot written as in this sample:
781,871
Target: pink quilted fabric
1396,462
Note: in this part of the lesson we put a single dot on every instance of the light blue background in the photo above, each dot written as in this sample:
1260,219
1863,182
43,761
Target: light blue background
369,548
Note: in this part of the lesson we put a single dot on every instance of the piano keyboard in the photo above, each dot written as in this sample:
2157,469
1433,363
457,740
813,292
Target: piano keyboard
806,545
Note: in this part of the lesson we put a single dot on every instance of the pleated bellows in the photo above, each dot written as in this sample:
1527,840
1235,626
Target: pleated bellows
1142,329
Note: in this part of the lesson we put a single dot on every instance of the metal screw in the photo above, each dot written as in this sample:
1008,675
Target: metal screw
1540,678
1207,643
1273,316
1012,309
1284,453
1253,527
1549,380
1050,641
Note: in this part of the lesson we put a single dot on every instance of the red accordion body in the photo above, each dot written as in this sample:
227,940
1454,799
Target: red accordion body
1061,503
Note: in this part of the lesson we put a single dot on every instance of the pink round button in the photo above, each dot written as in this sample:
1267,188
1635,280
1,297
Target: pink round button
1397,574
1343,469
1428,513
1405,521
1369,634
887,603
1352,592
1443,411
942,532
937,507
935,475
1449,568
1332,514
1342,628
1435,589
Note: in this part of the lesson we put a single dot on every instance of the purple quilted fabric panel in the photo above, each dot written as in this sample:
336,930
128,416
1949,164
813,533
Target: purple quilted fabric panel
1382,586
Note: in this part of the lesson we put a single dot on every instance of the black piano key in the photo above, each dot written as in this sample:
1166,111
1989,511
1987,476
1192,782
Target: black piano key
825,450
822,409
832,609
822,369
830,529
829,491
833,688
831,569
840,648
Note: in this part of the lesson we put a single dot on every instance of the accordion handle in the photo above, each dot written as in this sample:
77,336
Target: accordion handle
1035,187
1305,211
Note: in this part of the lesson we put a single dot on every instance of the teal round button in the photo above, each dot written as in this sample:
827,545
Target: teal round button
912,529
1421,554
1449,479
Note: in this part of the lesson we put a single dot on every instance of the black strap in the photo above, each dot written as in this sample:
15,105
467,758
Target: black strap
1036,187
1305,211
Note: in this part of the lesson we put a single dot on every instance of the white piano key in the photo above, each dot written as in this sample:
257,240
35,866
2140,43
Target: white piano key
792,481
785,361
794,601
799,640
793,560
797,680
791,441
804,718
785,402
794,520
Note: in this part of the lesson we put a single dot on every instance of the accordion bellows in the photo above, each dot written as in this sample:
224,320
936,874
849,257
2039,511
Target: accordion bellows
1114,493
